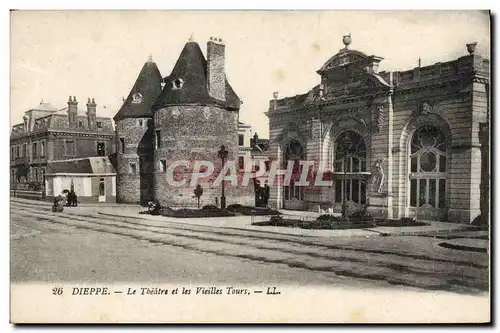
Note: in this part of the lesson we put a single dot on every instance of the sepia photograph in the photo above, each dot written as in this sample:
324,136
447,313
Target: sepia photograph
250,166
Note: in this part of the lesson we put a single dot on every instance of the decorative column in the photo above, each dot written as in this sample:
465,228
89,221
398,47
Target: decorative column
380,186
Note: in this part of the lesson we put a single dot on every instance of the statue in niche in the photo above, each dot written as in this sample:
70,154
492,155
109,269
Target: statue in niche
378,175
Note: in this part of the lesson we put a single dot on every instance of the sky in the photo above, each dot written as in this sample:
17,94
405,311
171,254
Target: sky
99,54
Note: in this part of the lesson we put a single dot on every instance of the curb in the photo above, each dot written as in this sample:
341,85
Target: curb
373,232
463,247
167,219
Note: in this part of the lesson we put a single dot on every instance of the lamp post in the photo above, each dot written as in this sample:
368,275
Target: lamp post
223,155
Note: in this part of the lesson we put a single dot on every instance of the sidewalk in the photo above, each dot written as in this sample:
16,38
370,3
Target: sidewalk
244,223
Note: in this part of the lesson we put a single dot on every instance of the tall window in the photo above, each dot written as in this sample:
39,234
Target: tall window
42,149
241,162
12,152
122,145
294,152
25,149
428,168
241,139
34,149
158,139
101,149
133,168
70,147
350,162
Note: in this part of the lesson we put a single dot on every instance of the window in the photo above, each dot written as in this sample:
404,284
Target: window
42,149
12,152
158,139
101,149
133,168
177,83
18,152
80,124
25,149
241,162
163,165
70,147
139,122
268,165
428,168
99,124
241,139
350,163
36,175
34,150
122,145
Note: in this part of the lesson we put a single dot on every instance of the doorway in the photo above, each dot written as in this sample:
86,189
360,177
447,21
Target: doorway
102,190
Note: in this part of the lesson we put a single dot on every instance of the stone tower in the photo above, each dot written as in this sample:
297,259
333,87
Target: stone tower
195,114
134,138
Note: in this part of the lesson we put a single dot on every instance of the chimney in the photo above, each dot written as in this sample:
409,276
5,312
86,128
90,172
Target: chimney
216,76
72,111
91,113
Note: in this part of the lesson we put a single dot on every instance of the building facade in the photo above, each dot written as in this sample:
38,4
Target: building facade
186,116
49,134
394,144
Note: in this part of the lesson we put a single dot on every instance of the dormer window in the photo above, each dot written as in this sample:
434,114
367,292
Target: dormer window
177,83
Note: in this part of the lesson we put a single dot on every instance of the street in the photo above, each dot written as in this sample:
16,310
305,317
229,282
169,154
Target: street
79,245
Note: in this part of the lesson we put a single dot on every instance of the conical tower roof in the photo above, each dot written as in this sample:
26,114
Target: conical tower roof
145,91
191,68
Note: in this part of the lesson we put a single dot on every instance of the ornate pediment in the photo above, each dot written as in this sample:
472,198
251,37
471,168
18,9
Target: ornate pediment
344,58
294,130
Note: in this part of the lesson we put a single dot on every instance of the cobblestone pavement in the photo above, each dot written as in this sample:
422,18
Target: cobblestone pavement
80,245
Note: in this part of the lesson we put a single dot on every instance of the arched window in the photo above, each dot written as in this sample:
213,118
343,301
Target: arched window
349,164
294,151
428,163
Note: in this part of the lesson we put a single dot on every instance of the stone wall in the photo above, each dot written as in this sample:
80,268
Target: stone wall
137,150
190,133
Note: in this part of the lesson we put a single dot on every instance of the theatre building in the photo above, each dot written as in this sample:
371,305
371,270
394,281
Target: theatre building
395,144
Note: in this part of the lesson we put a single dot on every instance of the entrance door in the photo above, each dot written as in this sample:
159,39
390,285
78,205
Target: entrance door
102,190
428,173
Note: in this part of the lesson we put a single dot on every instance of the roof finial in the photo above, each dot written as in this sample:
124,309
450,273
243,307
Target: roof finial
347,40
419,62
191,37
471,47
150,58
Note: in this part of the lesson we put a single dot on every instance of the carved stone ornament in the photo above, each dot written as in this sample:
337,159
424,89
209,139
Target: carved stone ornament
306,129
175,112
378,175
378,114
206,112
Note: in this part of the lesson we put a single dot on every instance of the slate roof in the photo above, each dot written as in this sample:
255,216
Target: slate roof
148,84
191,67
92,165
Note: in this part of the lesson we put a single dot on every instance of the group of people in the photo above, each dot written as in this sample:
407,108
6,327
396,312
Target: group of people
261,195
60,202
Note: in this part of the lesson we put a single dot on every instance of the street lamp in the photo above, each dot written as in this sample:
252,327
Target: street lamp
223,155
